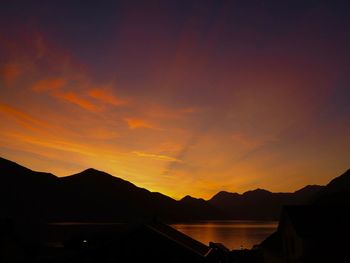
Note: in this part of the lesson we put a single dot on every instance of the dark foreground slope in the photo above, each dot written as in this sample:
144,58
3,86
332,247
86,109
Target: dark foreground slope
322,226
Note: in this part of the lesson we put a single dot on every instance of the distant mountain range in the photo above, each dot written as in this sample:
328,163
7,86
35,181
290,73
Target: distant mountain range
93,195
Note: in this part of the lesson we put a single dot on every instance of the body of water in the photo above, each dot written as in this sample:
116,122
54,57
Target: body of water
234,234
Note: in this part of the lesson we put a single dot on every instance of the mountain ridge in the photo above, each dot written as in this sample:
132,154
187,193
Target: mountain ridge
336,192
97,195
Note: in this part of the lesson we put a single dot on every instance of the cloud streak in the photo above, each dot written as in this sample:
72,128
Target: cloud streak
136,123
75,98
22,117
106,96
157,157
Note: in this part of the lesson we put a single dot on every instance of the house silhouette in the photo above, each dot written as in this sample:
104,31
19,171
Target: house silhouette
315,233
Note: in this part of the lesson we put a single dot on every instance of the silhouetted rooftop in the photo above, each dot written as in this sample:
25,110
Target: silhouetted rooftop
179,238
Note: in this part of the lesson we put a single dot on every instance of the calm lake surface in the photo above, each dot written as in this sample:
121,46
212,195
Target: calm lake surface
233,234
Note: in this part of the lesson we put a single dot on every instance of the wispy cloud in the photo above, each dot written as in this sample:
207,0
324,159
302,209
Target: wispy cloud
135,123
75,98
158,157
89,99
55,88
21,117
106,96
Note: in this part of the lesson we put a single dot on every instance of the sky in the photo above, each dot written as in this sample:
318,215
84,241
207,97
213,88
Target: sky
180,97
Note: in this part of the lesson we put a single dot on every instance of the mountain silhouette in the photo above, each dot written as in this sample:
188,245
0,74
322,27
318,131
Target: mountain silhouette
336,192
90,195
260,203
103,197
22,190
93,195
201,208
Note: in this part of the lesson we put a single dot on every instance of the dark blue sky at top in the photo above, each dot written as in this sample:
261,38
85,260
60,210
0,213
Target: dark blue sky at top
90,28
118,39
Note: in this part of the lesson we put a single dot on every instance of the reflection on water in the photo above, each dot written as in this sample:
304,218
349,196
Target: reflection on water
233,234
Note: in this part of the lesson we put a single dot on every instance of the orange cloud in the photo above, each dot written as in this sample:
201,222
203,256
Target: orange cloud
138,123
54,88
105,96
10,72
74,98
49,84
22,118
157,157
86,99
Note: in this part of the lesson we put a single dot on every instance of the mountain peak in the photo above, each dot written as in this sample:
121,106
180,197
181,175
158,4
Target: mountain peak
93,172
97,179
189,198
257,191
226,193
340,183
223,195
92,175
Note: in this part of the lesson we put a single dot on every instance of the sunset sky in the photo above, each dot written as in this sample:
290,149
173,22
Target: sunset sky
179,97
